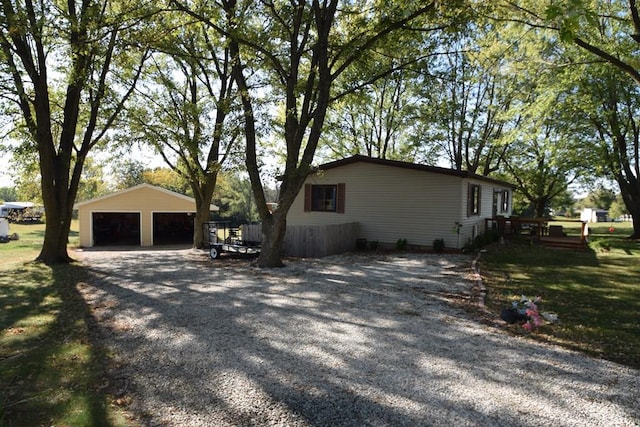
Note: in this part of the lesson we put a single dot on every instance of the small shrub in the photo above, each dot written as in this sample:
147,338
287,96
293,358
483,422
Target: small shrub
481,240
438,246
401,244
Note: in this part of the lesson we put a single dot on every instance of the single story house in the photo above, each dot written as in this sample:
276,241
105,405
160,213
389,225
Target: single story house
394,200
144,215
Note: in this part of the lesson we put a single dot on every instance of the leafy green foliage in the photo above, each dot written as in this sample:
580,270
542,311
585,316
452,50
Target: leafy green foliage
167,178
66,72
127,173
8,194
618,208
234,197
93,183
600,198
600,50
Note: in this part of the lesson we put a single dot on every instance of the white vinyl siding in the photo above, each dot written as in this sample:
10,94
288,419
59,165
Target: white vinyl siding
389,203
392,203
475,223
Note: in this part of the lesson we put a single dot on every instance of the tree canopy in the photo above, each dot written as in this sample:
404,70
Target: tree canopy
541,93
602,40
65,71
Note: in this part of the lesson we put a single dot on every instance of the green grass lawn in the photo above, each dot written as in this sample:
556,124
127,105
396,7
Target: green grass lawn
27,247
51,368
595,293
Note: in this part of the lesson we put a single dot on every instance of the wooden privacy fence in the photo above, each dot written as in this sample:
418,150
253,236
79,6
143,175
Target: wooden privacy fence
311,240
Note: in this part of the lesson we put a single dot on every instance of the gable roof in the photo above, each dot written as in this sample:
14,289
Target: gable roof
139,187
413,166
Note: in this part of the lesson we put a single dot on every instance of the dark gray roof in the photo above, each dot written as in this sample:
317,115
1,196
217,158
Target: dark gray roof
414,166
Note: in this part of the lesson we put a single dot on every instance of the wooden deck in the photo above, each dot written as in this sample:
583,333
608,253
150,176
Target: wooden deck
574,243
539,231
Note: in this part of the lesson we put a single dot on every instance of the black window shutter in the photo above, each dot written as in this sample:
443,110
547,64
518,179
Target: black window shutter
307,197
340,199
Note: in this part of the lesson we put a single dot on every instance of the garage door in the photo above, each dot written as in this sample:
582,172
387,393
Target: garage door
116,229
173,228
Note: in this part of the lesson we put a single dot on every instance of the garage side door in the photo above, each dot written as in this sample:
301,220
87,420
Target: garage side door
173,228
116,229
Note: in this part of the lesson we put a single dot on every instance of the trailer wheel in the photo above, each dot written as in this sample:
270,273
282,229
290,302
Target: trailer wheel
214,253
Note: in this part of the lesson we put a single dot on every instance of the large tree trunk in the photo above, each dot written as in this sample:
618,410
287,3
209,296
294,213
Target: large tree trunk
56,234
539,208
203,194
58,196
631,196
202,216
636,224
273,231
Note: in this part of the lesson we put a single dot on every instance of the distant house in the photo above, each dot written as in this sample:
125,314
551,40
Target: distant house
144,215
594,215
392,200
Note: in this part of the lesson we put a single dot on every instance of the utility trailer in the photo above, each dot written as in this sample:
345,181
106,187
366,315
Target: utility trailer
220,237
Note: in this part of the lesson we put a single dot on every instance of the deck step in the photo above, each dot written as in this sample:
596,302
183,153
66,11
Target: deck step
575,244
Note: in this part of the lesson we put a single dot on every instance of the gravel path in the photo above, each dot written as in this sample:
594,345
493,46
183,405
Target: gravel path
354,340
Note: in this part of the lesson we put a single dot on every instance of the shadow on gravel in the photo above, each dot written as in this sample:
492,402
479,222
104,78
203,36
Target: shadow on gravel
350,343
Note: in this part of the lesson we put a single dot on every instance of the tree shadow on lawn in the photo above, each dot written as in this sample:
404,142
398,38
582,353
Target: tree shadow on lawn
597,298
374,342
48,361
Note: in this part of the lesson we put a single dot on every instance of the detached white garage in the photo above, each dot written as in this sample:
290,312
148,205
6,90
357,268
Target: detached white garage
144,215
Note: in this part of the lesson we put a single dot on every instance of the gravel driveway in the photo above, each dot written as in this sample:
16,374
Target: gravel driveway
356,340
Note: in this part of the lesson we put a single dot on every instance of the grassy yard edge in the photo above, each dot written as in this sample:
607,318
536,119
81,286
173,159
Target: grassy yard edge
593,292
53,368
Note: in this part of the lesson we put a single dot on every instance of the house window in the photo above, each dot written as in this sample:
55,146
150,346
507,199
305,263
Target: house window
473,200
324,198
505,201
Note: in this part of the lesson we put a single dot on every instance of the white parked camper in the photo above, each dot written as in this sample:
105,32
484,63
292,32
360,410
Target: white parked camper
21,211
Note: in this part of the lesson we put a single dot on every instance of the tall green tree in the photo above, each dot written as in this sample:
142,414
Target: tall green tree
301,48
611,104
186,109
375,121
67,69
600,197
127,173
8,194
234,197
540,167
93,183
167,178
26,175
608,32
618,208
468,100
374,111
543,159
